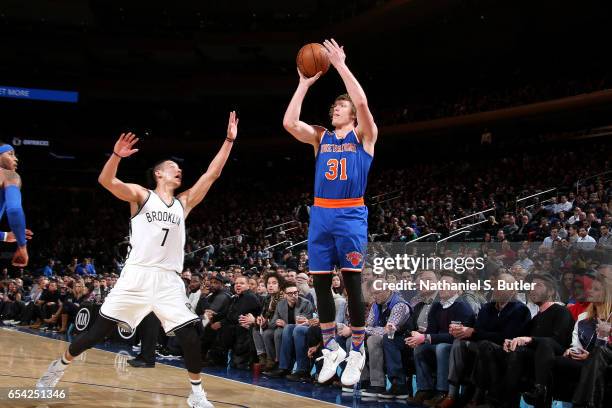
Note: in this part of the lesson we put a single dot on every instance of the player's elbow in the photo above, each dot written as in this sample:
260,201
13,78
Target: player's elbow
214,174
105,181
361,103
289,125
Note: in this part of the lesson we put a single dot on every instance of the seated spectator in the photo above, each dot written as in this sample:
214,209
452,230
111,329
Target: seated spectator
214,308
584,241
592,330
554,236
581,287
71,303
47,305
48,269
85,268
268,340
502,318
194,291
566,287
523,260
235,334
500,368
432,348
11,303
605,238
389,316
305,290
292,314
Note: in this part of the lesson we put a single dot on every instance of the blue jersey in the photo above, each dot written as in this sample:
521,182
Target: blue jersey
341,167
2,203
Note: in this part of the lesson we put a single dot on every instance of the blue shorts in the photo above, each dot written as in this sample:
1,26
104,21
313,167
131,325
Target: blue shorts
337,237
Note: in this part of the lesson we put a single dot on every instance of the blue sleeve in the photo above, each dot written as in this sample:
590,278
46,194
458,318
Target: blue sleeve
15,214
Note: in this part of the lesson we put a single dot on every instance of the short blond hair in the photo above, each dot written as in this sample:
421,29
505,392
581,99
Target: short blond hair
344,97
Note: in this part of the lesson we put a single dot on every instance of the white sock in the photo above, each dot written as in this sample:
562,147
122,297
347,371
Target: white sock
64,363
196,387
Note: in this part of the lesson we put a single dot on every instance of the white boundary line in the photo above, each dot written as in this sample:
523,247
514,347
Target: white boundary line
204,374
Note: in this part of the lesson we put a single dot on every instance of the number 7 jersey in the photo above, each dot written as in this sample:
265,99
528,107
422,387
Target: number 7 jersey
342,167
157,234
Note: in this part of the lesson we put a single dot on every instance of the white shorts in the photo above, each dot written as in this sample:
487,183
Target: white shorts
141,290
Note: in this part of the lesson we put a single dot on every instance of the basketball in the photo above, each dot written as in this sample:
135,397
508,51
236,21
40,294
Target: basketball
311,59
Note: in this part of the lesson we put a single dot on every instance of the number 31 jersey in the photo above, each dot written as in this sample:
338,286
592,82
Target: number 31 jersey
342,167
157,235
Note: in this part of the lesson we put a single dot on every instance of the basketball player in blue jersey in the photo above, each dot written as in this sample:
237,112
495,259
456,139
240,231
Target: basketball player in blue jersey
337,235
10,201
151,280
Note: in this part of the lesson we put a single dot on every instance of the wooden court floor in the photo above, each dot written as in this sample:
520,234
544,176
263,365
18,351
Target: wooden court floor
103,379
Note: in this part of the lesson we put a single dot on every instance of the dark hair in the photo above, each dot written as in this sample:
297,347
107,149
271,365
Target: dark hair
281,281
549,282
151,180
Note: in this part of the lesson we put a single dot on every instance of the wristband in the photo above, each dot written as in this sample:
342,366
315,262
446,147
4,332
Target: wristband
118,155
229,139
3,236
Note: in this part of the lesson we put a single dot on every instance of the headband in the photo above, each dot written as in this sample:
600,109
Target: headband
5,148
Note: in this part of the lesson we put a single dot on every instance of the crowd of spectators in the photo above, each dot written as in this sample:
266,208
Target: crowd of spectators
257,301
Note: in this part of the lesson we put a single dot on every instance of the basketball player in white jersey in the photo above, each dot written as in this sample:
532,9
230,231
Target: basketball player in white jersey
150,280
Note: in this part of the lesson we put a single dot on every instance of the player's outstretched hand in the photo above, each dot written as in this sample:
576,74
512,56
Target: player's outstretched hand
10,236
308,81
335,53
123,147
232,126
21,258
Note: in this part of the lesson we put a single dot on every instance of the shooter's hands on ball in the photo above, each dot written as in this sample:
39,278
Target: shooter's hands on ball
21,257
335,53
232,126
10,236
123,147
307,82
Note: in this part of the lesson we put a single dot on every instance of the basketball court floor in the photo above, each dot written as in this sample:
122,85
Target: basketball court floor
101,377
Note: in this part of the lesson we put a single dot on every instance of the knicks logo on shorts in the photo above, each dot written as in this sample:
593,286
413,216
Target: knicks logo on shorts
354,258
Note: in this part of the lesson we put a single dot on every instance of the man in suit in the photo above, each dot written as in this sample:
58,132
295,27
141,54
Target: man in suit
292,314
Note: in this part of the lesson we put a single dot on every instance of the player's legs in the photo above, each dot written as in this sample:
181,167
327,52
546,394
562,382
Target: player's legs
101,328
170,306
351,237
322,259
128,303
130,300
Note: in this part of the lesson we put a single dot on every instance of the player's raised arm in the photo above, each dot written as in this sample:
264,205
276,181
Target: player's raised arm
302,131
196,194
366,128
16,216
132,193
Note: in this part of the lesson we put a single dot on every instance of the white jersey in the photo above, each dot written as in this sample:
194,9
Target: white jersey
157,235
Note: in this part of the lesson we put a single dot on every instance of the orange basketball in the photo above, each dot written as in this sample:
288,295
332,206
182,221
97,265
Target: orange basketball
311,59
